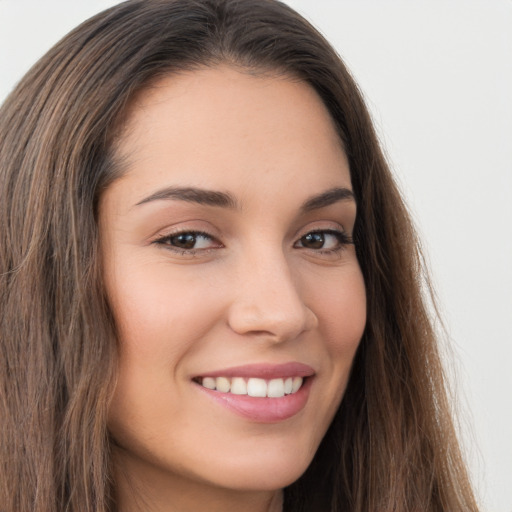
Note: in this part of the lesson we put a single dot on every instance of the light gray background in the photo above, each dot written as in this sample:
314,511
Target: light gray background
437,76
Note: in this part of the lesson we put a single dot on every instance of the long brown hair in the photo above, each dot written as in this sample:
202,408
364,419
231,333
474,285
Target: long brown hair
392,445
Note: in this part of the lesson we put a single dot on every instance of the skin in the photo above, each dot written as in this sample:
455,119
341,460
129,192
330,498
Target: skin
255,290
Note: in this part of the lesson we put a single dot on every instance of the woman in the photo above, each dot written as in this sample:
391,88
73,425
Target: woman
211,289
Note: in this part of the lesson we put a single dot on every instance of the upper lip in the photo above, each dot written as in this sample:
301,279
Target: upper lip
264,371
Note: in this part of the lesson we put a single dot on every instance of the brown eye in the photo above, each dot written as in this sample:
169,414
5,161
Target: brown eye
328,240
189,241
313,240
184,240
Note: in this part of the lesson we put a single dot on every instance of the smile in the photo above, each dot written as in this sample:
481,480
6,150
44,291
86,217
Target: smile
262,393
253,386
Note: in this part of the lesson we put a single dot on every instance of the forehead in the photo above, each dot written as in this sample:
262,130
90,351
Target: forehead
207,127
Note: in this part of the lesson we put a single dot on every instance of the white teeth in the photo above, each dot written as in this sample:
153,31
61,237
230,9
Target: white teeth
256,387
209,382
297,383
222,384
273,388
288,386
238,386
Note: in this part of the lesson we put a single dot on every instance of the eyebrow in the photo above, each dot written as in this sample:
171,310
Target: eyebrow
331,196
193,195
226,200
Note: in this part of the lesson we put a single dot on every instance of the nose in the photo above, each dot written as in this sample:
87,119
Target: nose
268,301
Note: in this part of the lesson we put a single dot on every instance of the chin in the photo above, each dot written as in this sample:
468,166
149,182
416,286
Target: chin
264,470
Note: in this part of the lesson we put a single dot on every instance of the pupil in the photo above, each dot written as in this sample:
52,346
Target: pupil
184,241
314,240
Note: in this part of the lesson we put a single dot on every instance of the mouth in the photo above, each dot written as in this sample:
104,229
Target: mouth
263,393
253,386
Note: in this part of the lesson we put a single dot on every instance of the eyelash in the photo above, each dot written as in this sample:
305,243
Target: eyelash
342,241
167,240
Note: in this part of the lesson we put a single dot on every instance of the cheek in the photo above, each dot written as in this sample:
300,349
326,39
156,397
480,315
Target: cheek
340,306
341,310
157,330
152,307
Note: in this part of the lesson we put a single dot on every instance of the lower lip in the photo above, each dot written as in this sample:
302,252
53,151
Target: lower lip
263,410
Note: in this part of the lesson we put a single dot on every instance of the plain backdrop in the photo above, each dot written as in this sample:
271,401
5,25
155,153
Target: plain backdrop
437,76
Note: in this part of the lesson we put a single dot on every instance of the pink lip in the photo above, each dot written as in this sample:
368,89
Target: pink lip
264,371
263,410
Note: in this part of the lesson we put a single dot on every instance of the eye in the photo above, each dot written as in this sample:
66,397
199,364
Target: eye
188,241
324,240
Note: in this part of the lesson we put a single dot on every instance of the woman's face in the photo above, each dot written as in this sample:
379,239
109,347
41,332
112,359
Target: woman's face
229,265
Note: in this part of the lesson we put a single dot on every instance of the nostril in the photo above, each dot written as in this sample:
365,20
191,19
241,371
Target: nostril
274,325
